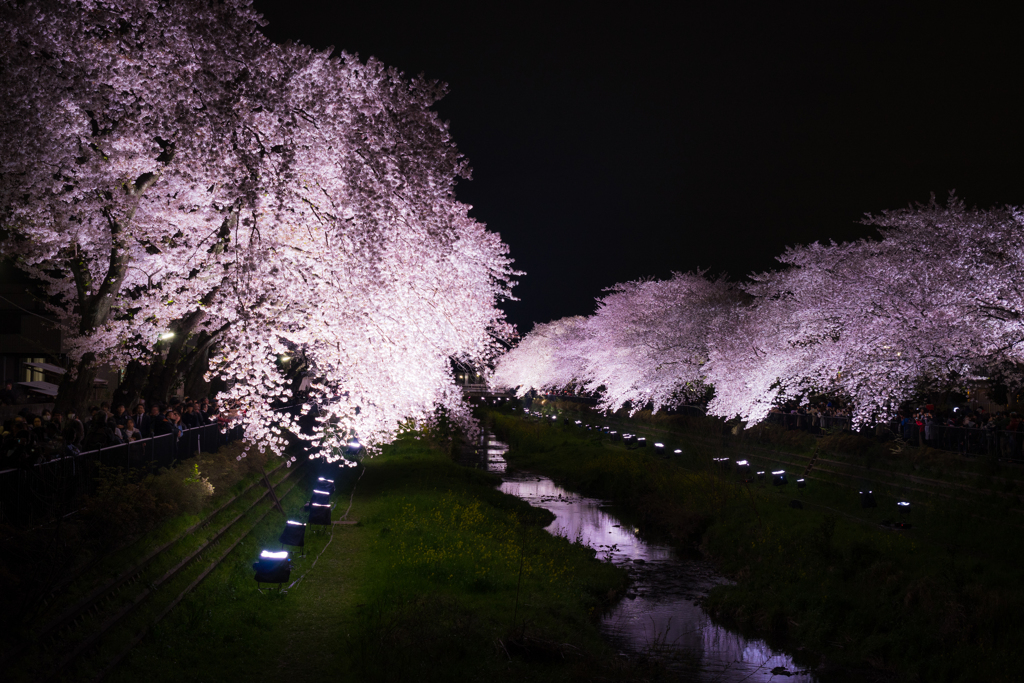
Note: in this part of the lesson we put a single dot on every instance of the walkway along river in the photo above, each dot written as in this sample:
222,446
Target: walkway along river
660,615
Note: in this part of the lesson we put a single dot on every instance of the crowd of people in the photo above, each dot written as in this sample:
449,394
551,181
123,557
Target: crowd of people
28,438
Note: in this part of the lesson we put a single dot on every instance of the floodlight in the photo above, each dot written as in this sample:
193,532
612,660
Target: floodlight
800,483
678,451
904,508
779,478
579,422
614,435
760,475
642,441
272,567
867,499
294,534
554,417
322,497
319,514
743,467
326,484
659,448
167,335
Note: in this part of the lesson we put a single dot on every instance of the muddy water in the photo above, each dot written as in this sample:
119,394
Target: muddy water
660,615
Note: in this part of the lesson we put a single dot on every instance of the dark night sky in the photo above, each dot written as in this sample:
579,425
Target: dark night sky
629,143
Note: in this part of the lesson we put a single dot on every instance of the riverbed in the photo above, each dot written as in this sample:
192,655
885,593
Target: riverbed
660,616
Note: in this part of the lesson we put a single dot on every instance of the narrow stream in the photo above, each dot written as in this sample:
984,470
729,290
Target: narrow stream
660,615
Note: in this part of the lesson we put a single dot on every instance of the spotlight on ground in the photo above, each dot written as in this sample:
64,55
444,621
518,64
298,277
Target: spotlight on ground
272,567
904,510
320,514
294,534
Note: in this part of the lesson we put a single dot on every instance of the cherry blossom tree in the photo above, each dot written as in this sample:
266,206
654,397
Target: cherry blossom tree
933,303
647,341
116,162
546,359
267,199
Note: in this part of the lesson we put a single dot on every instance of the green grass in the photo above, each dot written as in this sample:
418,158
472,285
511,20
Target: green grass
443,578
940,602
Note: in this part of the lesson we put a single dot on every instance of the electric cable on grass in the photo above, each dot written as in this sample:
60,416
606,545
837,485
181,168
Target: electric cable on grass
350,499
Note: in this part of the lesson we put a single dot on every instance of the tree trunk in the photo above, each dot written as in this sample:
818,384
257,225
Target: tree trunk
73,395
130,388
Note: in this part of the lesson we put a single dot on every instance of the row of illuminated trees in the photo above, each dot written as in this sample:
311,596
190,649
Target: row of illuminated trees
185,189
936,301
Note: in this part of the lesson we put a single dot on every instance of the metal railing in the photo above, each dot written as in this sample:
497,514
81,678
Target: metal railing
40,489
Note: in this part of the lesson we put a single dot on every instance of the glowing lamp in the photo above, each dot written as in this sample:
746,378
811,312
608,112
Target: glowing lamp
294,534
867,499
779,478
659,448
579,422
272,567
167,335
319,513
326,484
678,451
554,417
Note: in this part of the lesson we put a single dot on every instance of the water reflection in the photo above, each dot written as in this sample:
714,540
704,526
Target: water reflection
660,615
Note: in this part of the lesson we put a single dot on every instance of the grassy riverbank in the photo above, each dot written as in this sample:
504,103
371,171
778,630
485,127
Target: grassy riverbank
940,602
443,578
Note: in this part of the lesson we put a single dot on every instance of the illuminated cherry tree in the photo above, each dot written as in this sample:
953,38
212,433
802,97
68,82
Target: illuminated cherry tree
116,160
174,166
647,343
933,303
546,359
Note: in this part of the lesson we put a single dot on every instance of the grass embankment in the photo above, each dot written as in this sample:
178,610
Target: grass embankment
443,578
939,602
129,514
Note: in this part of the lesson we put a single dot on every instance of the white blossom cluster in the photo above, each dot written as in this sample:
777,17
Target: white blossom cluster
169,161
935,302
